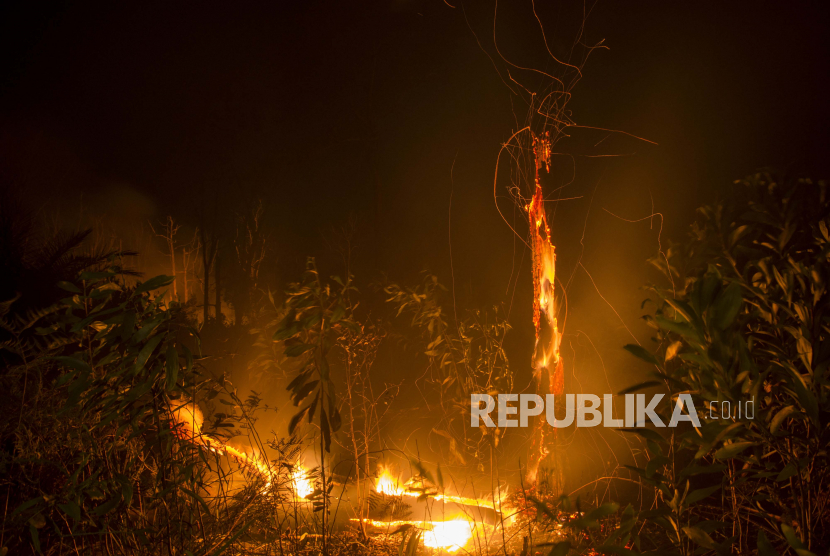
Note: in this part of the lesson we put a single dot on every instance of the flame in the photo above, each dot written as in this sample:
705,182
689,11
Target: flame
189,420
547,364
451,535
189,416
389,485
299,480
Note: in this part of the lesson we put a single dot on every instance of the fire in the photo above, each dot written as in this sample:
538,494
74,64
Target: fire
189,416
189,421
450,536
299,481
547,364
389,485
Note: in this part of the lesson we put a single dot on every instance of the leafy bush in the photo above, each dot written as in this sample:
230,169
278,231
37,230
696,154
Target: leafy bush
96,457
746,321
743,318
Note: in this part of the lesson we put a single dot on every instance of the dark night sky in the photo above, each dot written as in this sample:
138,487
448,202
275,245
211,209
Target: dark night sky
334,108
327,109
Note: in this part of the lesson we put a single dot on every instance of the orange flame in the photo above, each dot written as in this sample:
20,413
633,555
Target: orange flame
189,420
389,485
547,364
299,481
451,535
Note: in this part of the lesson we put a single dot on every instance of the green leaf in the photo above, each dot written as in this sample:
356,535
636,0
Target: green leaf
301,393
37,521
68,286
336,420
74,363
295,420
107,506
298,349
299,379
288,331
682,328
654,464
71,509
700,494
147,329
806,397
172,367
779,418
338,313
699,536
412,545
324,427
154,283
640,386
795,542
727,305
26,505
672,350
196,497
787,472
732,450
692,470
35,538
603,511
764,546
641,352
147,351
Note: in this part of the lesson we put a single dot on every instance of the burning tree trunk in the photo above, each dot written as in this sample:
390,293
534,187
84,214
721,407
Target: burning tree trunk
547,364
